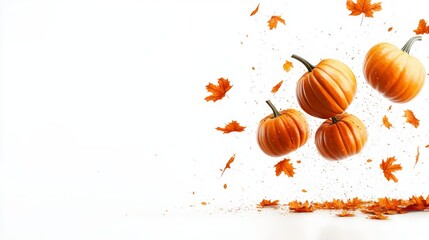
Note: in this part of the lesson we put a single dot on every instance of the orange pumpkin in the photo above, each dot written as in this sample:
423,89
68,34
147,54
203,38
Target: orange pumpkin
341,136
327,89
393,72
282,132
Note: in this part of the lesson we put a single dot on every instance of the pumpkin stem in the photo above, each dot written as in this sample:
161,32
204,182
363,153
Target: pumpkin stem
303,61
407,47
334,120
275,112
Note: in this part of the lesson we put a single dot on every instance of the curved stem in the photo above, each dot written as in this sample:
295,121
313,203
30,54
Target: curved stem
407,47
334,120
303,61
275,112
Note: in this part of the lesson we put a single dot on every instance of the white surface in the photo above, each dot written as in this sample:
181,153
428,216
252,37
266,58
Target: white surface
105,133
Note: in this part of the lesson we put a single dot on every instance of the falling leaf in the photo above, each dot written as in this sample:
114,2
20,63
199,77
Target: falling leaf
233,126
411,119
284,166
386,122
218,91
301,207
268,203
422,28
228,164
255,11
388,168
389,108
272,23
287,66
417,156
369,160
253,68
378,217
427,146
225,186
277,86
203,203
363,6
345,213
298,161
303,190
390,29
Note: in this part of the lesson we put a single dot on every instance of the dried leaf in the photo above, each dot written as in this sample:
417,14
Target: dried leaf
218,91
233,126
287,66
363,6
422,28
268,203
286,167
203,203
379,217
388,168
255,11
417,156
298,161
386,122
389,108
228,164
345,213
277,86
303,190
301,207
427,146
272,23
411,119
369,160
390,29
225,186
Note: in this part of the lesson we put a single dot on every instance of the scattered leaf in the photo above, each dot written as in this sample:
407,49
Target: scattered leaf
272,23
427,146
388,168
389,108
287,66
411,119
303,190
255,11
277,86
203,203
268,203
386,122
422,28
379,217
390,29
286,167
253,68
225,186
369,160
301,207
233,126
298,161
345,213
417,156
363,6
228,164
218,91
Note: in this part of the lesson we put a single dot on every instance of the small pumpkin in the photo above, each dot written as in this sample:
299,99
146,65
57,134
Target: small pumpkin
282,132
341,136
327,89
393,72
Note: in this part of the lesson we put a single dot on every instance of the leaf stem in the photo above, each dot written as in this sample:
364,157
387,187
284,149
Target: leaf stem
275,112
407,47
303,61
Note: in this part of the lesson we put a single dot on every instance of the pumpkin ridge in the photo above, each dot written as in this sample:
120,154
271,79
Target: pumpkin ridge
273,146
369,61
337,89
302,138
307,85
343,75
282,129
359,140
388,92
411,87
333,105
386,69
290,130
327,149
351,147
375,80
341,146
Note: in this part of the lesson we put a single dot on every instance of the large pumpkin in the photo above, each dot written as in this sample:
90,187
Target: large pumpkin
327,89
341,136
282,132
394,72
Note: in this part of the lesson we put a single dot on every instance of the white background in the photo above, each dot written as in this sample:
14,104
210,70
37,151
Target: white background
105,133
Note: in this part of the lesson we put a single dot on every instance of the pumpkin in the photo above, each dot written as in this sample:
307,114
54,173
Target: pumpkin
393,72
282,132
341,136
327,89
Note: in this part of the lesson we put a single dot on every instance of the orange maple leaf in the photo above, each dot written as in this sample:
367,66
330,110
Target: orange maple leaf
388,167
272,23
255,11
389,29
301,207
417,156
345,213
287,66
363,6
277,86
386,122
422,28
233,126
218,91
411,119
286,167
379,217
268,203
228,164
